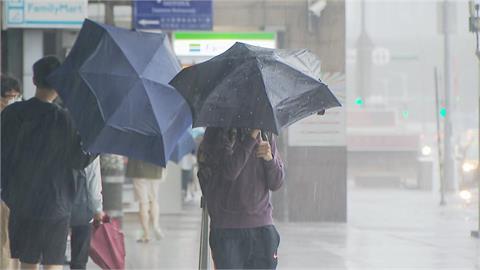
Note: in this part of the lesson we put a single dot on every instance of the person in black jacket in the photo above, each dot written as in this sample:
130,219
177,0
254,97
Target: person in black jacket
10,92
40,149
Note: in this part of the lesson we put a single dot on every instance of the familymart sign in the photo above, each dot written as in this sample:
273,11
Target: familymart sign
215,43
45,13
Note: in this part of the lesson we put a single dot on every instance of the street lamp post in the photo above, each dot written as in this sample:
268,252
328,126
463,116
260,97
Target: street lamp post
474,23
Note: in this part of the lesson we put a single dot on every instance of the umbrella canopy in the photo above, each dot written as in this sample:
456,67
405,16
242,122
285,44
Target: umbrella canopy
107,246
185,145
254,87
115,84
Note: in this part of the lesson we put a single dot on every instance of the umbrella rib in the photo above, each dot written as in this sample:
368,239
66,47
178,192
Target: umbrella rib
228,74
125,56
149,98
93,92
305,92
281,61
265,87
140,74
317,80
153,111
175,63
298,53
311,78
128,62
172,120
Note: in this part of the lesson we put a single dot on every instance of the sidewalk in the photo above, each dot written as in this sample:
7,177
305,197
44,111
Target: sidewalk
387,229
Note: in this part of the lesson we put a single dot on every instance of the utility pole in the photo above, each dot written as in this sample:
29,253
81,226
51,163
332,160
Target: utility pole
474,23
448,149
364,58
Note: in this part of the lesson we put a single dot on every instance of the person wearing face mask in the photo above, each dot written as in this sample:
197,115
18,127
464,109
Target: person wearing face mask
10,92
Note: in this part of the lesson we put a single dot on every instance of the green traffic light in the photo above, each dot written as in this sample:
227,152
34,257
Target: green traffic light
443,112
359,101
405,114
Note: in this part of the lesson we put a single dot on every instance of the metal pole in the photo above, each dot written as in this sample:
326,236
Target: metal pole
203,260
439,142
477,52
447,140
474,28
364,64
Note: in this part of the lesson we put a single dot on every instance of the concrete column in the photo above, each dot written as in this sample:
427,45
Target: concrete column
32,51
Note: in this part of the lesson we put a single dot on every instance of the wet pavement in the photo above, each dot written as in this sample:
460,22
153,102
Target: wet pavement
387,229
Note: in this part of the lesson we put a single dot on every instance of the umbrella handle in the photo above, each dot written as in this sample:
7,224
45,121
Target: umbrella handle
264,136
106,219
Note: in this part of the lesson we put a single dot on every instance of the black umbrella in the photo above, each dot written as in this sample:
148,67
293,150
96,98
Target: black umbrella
115,84
254,87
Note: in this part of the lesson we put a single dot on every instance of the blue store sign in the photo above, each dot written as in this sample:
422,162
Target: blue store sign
173,14
44,13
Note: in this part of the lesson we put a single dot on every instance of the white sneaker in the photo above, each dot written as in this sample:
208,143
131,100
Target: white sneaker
159,233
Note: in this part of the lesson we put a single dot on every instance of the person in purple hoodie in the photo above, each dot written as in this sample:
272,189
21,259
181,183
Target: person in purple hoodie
238,169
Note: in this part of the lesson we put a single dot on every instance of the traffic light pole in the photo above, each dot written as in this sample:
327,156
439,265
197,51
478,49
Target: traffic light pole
439,141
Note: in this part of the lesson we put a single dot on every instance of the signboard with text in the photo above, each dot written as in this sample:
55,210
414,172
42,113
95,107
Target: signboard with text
172,14
215,43
44,13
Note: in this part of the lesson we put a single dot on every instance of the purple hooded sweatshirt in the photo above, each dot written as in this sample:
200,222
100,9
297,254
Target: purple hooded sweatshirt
238,189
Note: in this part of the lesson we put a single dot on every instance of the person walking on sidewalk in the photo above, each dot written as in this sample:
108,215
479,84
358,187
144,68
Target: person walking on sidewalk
88,206
238,169
187,163
40,148
146,182
10,92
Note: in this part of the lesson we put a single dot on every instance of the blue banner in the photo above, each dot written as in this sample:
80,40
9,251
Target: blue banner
173,14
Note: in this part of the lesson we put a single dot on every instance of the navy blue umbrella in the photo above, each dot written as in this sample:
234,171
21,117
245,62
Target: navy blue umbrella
185,145
115,84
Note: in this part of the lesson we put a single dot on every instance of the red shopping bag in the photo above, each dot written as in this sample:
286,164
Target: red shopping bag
107,247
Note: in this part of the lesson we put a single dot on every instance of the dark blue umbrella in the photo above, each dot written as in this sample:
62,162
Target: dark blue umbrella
185,145
115,84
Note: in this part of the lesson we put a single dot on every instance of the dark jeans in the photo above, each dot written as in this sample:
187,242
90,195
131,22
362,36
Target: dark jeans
254,248
80,245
